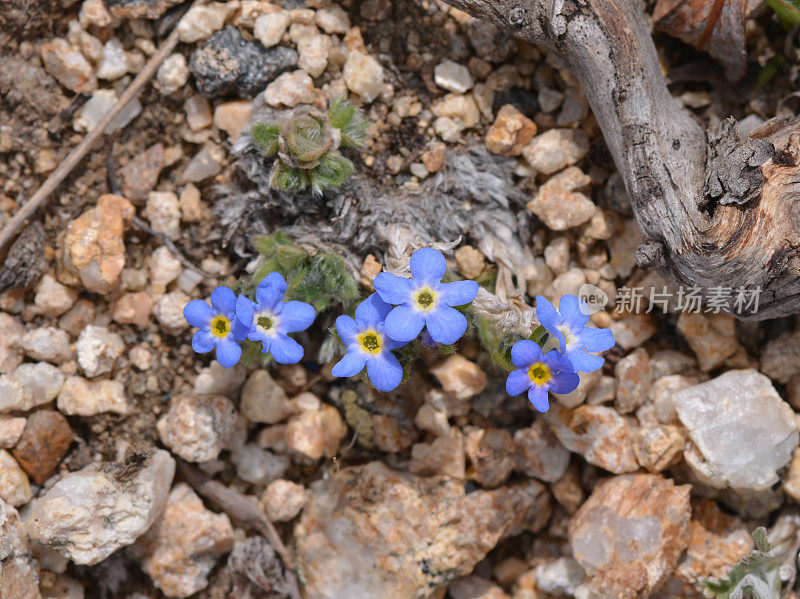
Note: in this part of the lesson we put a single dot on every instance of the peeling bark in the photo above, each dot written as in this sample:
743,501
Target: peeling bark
715,210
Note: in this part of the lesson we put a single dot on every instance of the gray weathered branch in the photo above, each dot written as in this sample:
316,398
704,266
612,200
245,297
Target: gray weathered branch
715,210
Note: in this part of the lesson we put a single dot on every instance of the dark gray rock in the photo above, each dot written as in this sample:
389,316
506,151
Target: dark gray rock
227,64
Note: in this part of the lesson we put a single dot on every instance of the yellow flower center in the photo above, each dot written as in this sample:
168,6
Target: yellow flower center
220,326
425,299
370,341
539,373
266,321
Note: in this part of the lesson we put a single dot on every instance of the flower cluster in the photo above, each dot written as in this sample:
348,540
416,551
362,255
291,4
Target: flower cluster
421,302
400,311
230,320
556,370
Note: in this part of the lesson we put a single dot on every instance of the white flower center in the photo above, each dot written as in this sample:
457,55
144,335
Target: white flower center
425,299
266,322
570,339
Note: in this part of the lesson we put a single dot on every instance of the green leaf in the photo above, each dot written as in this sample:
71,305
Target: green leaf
755,575
341,112
288,178
773,66
787,10
350,121
266,137
305,139
331,172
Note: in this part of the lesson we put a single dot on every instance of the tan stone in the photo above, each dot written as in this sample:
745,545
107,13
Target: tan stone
433,157
14,486
471,262
630,533
369,271
134,308
712,337
599,434
283,500
510,132
560,204
93,248
445,456
197,428
658,446
539,453
405,535
491,456
316,433
716,541
232,116
183,545
10,343
459,377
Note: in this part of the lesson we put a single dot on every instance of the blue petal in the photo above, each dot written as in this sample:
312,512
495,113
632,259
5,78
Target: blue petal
564,382
524,353
270,290
372,311
570,308
266,342
245,309
198,313
392,289
557,361
596,339
404,323
228,351
390,343
352,363
584,362
517,382
223,300
547,314
446,325
286,350
539,398
384,371
296,316
347,329
239,329
428,265
203,341
458,293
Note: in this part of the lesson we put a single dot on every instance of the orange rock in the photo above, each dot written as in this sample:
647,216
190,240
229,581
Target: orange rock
510,132
630,533
44,443
93,246
369,271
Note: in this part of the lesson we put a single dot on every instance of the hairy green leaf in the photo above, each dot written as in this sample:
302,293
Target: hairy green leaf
266,137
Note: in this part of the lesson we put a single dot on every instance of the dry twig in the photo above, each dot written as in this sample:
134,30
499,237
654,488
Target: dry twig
39,198
239,507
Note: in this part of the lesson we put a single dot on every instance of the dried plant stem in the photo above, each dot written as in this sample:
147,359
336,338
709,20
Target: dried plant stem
39,198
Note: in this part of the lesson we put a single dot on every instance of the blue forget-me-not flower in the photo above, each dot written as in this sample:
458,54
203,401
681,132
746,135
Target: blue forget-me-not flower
537,374
368,344
576,340
424,301
269,319
218,326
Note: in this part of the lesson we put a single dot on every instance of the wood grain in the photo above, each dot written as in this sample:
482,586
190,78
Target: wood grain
676,174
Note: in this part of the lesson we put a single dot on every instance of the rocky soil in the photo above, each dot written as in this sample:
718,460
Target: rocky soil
131,467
